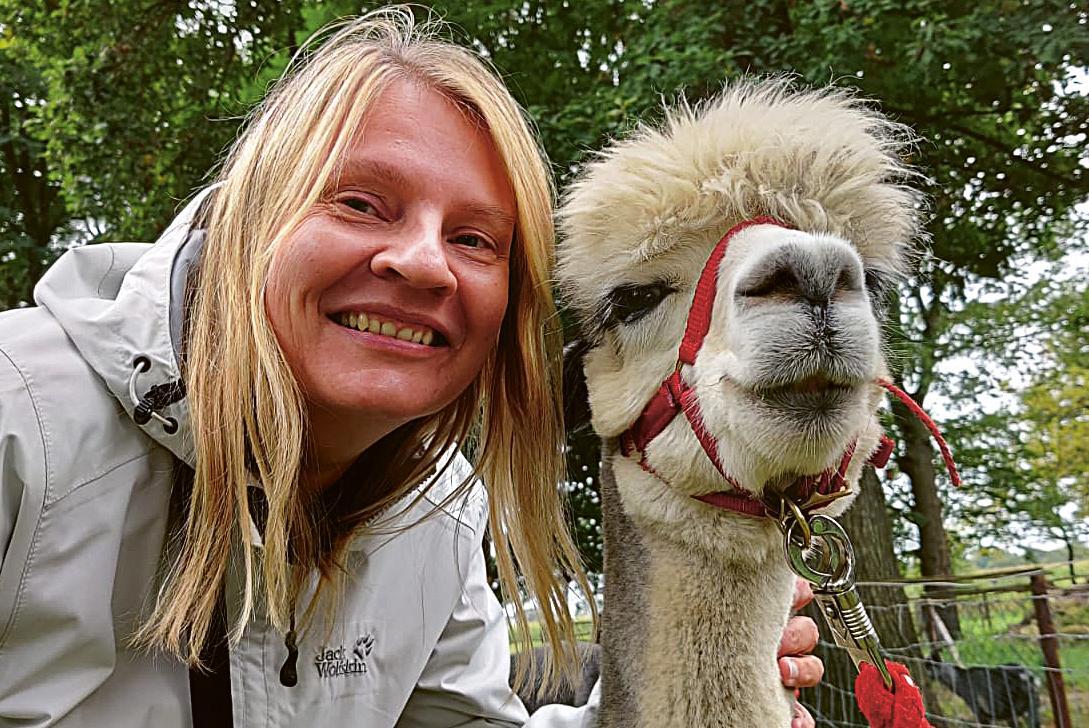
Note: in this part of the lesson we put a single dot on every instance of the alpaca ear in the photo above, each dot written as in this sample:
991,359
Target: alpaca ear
576,400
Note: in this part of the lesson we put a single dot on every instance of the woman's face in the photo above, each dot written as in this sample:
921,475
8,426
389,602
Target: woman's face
389,296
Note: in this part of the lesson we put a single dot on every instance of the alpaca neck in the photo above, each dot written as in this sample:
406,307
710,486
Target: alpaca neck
713,634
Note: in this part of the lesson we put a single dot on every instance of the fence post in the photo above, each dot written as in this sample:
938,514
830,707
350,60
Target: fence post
1049,645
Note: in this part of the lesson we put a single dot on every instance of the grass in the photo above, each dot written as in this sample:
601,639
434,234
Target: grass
1003,630
582,632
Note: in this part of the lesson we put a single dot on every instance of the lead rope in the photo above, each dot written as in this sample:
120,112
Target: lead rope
901,704
913,406
898,707
819,551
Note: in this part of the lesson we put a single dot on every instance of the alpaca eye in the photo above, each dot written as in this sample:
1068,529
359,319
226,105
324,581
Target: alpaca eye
879,285
627,304
877,282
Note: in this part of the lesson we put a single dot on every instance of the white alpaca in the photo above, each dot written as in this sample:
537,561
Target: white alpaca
697,596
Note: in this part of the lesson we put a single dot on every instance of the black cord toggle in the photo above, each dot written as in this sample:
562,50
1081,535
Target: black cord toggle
155,399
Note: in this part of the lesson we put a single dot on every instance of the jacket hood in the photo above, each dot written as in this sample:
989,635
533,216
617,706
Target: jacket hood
119,302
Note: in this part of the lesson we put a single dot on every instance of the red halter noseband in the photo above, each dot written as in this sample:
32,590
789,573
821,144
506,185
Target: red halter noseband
676,395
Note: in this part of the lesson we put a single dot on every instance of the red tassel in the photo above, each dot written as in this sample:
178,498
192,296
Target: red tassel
901,708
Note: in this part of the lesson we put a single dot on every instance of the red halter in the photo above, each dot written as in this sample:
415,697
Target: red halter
676,395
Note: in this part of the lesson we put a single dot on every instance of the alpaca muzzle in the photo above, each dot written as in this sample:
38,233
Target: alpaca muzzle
675,396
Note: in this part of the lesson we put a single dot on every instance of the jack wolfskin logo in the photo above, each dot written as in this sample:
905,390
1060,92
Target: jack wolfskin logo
341,662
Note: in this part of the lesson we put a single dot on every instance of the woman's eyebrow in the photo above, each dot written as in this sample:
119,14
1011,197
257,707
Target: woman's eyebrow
393,176
493,213
357,168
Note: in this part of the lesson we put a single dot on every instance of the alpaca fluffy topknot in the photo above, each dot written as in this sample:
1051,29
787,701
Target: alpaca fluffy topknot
820,160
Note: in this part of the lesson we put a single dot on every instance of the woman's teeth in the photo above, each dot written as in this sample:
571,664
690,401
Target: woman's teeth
375,325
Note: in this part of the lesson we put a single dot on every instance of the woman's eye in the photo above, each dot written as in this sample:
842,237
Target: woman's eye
470,241
361,205
627,304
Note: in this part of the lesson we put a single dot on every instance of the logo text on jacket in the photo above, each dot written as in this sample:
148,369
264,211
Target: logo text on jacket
344,662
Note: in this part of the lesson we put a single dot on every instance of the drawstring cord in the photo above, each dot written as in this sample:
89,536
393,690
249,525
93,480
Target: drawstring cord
257,504
289,672
159,396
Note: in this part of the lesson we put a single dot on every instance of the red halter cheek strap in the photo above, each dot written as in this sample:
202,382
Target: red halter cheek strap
675,396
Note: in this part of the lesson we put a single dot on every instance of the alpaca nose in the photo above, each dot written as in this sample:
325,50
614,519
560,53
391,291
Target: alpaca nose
813,272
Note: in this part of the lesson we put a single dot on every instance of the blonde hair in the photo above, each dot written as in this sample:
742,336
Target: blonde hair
247,411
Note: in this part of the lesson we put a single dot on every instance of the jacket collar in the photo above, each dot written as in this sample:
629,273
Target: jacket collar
122,301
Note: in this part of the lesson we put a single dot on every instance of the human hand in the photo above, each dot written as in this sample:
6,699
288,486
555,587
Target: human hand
798,668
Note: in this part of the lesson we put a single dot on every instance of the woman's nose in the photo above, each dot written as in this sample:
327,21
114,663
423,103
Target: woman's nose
417,255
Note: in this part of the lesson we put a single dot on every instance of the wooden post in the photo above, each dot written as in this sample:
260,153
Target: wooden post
1049,645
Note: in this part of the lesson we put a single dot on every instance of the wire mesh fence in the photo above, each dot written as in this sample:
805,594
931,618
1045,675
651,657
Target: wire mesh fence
1001,648
986,650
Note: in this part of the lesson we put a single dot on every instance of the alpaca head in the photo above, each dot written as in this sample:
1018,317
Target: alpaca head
784,378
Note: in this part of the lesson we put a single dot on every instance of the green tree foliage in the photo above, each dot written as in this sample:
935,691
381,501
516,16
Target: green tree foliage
1056,409
31,209
1023,444
988,86
114,114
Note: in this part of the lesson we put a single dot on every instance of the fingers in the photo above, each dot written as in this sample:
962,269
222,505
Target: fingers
801,672
799,637
797,667
802,718
803,594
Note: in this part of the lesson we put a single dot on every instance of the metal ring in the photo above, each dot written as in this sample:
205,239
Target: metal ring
139,365
799,518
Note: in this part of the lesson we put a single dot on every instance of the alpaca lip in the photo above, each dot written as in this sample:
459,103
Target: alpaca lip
809,396
813,385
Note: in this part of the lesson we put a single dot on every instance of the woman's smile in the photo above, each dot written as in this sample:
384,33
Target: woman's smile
392,333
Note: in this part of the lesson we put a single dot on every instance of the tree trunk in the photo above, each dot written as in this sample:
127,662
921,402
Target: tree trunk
1069,554
870,528
935,558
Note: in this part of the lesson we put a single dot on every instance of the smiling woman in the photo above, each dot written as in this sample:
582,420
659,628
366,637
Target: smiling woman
389,178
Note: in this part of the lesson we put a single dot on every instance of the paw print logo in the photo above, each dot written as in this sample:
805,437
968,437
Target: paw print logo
363,646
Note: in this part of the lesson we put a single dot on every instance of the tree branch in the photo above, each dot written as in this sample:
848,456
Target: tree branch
996,144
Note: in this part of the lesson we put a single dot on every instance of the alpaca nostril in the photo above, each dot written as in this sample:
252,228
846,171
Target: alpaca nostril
814,273
784,276
779,281
851,277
